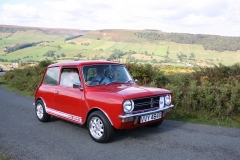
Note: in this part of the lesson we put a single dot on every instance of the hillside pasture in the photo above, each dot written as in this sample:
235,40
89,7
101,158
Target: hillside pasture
101,44
117,46
4,34
161,50
30,37
31,53
105,46
146,47
53,43
131,47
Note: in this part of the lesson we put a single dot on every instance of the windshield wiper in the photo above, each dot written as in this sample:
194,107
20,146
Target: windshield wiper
128,81
114,82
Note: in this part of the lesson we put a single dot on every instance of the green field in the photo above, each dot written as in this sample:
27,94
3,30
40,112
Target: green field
101,44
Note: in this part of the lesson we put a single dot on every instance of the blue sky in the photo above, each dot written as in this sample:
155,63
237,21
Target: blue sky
215,17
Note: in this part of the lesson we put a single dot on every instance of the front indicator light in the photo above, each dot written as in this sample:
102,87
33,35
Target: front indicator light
161,102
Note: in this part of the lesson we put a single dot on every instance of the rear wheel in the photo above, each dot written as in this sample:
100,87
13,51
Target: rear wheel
156,124
99,127
40,111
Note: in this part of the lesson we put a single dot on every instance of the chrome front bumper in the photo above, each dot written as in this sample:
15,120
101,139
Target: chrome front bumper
130,117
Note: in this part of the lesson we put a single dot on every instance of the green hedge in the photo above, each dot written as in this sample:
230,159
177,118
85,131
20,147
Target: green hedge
27,78
212,91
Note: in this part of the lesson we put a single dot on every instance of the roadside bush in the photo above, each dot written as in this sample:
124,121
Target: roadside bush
28,78
212,91
146,74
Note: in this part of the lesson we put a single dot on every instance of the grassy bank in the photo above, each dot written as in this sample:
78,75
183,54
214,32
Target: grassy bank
4,157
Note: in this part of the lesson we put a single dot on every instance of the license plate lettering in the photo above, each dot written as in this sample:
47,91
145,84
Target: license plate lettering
150,117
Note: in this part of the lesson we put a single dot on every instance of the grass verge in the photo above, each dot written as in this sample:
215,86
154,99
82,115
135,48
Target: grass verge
203,118
3,157
7,86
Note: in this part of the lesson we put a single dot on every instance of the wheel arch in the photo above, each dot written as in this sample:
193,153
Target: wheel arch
98,109
40,98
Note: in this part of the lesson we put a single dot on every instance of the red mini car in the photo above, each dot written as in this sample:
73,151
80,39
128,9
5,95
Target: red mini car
100,94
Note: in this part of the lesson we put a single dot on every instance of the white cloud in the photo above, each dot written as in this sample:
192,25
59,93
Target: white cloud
221,17
18,13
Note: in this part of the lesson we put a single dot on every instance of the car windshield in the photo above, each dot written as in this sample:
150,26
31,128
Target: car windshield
106,74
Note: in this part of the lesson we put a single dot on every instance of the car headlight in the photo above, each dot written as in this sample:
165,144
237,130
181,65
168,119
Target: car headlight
128,106
168,99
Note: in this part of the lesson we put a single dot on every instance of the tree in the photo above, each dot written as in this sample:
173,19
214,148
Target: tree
116,55
49,53
79,55
192,56
63,55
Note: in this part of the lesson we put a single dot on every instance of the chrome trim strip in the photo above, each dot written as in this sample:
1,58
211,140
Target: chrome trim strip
145,113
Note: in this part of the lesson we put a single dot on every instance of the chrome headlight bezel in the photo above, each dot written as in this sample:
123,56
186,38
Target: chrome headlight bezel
128,106
168,99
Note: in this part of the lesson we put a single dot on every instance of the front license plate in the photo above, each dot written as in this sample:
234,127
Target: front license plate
150,117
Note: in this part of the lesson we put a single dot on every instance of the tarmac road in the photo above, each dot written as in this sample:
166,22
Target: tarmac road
23,137
1,73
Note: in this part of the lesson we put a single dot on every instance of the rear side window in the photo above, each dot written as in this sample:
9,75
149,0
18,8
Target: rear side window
69,76
51,76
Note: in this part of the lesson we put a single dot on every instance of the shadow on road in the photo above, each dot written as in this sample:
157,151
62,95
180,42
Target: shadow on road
143,133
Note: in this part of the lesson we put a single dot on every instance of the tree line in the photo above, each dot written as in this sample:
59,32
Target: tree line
209,42
19,46
72,37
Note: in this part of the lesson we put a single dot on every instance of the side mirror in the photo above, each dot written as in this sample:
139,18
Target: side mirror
136,81
78,85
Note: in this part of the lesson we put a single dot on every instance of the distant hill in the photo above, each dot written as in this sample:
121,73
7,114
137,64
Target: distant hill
209,42
56,31
31,44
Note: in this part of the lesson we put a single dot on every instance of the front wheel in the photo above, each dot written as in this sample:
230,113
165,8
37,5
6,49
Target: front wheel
40,111
99,127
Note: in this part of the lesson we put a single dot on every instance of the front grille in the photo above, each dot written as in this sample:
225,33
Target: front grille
146,103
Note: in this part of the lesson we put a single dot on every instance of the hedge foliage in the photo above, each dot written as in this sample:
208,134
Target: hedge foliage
213,91
27,78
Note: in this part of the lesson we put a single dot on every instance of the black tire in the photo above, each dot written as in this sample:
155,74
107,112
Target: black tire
40,112
156,124
99,127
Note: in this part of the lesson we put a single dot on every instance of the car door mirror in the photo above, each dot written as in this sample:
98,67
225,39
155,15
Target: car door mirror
78,85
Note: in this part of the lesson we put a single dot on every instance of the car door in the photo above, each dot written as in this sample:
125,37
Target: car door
68,100
49,87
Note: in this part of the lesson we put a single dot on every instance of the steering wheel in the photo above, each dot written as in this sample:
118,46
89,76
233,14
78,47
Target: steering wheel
96,81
